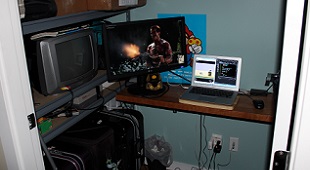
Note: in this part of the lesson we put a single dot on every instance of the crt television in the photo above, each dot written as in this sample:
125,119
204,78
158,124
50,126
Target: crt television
130,50
64,61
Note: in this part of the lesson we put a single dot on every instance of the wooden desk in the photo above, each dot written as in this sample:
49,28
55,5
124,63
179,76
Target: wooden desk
244,110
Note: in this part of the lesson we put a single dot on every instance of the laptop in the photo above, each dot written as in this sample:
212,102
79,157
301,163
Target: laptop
218,74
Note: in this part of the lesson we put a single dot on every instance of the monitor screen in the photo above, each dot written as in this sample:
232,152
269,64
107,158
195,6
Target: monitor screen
146,46
76,53
220,72
139,48
67,60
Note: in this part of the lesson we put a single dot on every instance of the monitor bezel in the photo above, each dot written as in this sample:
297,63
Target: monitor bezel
112,78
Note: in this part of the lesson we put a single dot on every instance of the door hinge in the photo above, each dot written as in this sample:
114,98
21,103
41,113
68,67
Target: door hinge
31,121
281,160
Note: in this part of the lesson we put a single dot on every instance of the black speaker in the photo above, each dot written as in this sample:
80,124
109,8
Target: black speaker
38,9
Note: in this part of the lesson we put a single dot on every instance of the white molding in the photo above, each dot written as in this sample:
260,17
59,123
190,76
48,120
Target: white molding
20,145
300,138
290,52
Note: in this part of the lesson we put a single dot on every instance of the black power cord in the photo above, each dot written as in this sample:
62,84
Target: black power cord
216,149
180,76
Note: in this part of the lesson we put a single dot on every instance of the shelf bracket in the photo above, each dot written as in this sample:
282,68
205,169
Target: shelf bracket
127,15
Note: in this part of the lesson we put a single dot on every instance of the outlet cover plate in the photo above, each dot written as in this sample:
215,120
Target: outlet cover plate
234,144
215,138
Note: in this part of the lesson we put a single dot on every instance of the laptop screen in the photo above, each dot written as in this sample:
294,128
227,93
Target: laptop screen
219,72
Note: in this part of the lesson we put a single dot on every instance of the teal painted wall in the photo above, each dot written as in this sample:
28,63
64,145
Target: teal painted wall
248,28
182,131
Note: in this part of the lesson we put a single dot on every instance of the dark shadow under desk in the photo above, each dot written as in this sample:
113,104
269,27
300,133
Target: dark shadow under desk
244,109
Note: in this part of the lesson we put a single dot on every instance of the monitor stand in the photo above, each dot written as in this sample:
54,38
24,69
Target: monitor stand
139,88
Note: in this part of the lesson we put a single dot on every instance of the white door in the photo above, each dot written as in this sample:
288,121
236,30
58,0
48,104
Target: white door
292,136
19,146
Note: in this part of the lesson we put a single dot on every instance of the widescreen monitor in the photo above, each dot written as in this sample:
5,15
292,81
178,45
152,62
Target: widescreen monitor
139,48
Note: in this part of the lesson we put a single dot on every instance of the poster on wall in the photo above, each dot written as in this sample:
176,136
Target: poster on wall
196,35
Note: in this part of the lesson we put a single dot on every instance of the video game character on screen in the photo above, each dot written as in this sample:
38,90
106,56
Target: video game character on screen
159,50
145,45
205,70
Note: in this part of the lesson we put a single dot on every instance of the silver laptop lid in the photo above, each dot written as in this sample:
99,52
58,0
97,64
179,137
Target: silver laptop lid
218,72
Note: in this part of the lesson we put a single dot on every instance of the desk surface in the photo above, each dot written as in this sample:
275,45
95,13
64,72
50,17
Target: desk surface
244,110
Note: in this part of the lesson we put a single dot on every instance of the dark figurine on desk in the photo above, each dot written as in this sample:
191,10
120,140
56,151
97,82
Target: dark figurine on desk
153,82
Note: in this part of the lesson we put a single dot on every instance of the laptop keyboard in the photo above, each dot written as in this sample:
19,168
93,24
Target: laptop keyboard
212,92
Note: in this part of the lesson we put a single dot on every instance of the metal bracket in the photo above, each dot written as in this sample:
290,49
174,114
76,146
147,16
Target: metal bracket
281,160
271,78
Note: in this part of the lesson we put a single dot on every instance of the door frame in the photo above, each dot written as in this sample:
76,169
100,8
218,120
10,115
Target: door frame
20,144
290,101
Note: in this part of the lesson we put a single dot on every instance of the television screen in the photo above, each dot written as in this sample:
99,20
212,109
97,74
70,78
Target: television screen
140,48
63,61
76,54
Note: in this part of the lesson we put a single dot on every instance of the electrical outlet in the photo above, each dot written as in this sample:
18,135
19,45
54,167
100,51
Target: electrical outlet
215,138
234,144
210,145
